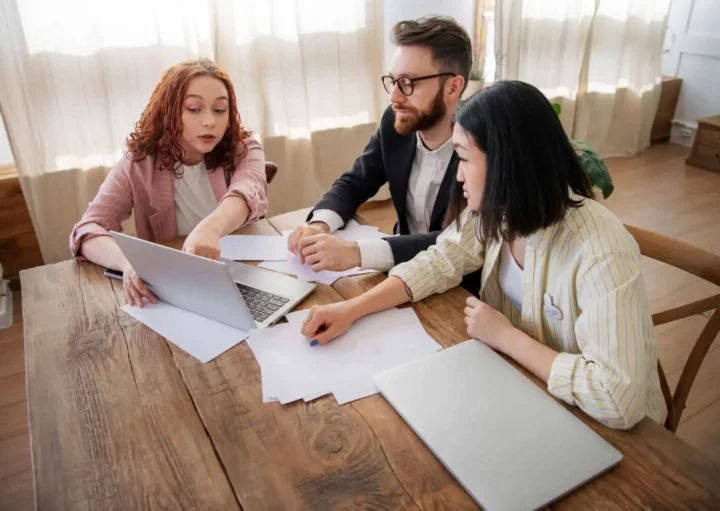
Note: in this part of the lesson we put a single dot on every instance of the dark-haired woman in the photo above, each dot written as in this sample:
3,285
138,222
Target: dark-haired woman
190,169
561,289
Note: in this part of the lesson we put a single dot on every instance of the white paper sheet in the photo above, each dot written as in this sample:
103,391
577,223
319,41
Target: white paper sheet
304,272
253,248
292,265
353,231
197,335
296,370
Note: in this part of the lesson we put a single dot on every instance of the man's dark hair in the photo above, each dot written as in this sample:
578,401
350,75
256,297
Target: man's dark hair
531,166
447,40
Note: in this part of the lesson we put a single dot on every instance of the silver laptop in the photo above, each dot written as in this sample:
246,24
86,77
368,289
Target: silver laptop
233,293
507,442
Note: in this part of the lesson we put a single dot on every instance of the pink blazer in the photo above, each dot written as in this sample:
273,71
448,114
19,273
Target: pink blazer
150,193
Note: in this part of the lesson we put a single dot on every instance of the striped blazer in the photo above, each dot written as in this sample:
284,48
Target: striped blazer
139,188
583,296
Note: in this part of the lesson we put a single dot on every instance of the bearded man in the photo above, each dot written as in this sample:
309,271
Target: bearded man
412,151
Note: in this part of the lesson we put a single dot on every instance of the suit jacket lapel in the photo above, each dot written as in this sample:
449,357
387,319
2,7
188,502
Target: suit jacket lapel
399,178
443,196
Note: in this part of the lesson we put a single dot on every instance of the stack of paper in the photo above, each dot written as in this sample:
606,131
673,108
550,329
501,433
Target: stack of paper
292,266
253,248
292,369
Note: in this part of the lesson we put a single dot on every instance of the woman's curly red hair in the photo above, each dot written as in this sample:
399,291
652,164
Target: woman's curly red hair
158,132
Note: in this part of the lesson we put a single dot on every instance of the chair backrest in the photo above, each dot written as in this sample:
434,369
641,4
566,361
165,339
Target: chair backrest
700,263
270,171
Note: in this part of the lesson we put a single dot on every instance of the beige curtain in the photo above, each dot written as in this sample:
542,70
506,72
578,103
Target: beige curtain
76,75
600,59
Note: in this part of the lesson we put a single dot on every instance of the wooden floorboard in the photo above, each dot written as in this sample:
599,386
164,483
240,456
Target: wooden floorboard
702,431
12,388
14,455
706,389
656,191
16,492
676,340
13,420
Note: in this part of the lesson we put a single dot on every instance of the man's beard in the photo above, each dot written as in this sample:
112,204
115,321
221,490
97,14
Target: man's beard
420,121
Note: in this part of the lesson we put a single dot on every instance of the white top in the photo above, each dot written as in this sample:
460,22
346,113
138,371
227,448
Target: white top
510,276
426,175
194,198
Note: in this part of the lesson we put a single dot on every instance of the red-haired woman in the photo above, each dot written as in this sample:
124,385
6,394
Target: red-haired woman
190,169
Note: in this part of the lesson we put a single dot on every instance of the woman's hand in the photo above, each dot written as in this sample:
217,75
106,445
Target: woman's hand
203,241
135,288
326,322
487,325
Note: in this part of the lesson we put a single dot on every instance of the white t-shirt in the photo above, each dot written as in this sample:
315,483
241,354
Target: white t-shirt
194,198
510,276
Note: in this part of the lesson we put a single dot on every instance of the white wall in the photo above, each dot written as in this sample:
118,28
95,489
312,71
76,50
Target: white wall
398,10
6,156
692,52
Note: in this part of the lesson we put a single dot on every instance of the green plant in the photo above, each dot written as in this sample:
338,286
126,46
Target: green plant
594,166
475,72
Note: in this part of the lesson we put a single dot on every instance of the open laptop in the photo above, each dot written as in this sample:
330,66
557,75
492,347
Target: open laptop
507,442
233,293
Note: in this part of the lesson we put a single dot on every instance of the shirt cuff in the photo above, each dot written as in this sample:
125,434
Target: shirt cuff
329,217
375,255
560,383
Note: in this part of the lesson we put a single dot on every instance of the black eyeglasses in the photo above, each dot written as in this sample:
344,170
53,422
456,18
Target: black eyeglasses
406,84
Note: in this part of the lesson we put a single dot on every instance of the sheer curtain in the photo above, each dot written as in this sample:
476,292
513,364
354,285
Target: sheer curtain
77,74
600,59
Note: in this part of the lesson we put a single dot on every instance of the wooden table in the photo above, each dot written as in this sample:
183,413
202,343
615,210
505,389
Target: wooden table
122,419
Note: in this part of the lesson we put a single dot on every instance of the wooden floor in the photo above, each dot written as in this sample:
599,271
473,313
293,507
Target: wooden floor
656,191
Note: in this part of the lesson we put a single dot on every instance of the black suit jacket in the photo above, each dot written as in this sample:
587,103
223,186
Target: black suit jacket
388,158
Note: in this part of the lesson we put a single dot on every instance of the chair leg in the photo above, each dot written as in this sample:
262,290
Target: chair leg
697,355
670,419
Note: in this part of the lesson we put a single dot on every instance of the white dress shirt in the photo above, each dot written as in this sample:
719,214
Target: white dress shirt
194,198
426,175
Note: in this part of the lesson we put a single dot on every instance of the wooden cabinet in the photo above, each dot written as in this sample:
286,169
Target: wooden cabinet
18,245
706,148
669,93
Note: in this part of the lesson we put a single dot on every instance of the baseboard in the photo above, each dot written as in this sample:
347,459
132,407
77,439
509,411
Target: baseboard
682,133
8,171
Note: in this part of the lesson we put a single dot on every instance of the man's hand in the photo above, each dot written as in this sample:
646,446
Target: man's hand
302,232
326,252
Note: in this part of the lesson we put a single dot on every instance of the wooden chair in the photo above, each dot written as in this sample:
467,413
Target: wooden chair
270,171
705,265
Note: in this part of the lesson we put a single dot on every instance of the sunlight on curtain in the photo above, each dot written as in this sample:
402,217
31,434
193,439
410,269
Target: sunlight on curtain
83,27
301,66
600,59
77,74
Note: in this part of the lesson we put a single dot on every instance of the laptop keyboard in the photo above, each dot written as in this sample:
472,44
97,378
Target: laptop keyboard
261,304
